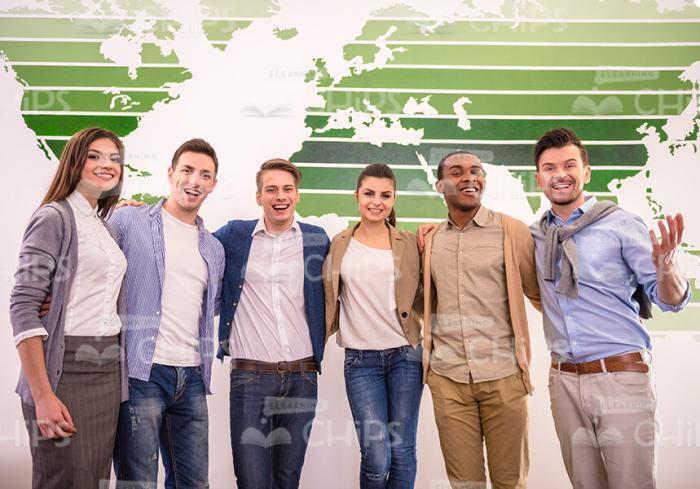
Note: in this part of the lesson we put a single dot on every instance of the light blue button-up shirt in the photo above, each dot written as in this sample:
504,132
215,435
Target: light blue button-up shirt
139,232
614,256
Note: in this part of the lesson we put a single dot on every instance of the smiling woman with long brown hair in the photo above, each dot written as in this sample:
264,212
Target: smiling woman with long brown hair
70,382
370,278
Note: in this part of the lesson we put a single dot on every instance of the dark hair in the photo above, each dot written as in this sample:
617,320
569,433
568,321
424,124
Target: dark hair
558,138
278,164
441,165
196,146
379,170
71,164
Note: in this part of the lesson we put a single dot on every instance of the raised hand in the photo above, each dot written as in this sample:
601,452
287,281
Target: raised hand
664,251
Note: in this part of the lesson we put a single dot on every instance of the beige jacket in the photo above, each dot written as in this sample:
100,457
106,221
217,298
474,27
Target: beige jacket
406,273
521,280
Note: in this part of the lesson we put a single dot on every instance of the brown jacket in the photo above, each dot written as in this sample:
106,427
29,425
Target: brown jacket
521,279
406,272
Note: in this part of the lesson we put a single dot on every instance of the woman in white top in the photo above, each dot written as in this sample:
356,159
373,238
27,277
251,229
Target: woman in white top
71,380
371,277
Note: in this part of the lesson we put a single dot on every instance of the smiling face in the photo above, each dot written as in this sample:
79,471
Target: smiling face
375,199
462,182
192,179
101,171
561,174
278,196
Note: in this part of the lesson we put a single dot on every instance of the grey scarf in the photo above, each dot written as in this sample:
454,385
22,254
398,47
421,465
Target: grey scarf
560,236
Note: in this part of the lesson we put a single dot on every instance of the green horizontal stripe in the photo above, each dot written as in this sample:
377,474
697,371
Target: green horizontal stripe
533,55
240,8
222,30
420,78
533,32
518,129
416,180
499,104
78,52
56,147
506,154
568,9
79,101
67,125
110,76
78,28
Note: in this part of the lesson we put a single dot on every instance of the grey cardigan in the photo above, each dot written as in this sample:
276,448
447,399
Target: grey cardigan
48,259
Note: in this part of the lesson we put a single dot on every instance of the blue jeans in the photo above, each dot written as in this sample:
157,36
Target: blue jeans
384,388
271,419
169,411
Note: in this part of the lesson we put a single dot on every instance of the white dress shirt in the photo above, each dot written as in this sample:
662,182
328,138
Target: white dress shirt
91,309
270,321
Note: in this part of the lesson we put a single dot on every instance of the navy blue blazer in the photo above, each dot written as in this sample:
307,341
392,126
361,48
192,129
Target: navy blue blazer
236,238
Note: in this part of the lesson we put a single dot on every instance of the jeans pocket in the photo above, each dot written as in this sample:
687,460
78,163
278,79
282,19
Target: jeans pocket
239,378
350,360
311,377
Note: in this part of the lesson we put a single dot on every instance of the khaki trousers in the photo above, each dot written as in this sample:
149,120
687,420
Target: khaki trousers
606,425
469,414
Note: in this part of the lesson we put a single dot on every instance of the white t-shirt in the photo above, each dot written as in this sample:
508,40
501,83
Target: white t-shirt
184,286
368,316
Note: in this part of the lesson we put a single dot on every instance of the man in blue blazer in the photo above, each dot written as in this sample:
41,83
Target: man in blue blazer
272,325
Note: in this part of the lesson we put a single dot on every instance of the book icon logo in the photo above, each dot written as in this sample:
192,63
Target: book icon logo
586,105
278,436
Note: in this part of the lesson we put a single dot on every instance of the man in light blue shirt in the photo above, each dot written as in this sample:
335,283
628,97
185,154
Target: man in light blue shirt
170,297
598,267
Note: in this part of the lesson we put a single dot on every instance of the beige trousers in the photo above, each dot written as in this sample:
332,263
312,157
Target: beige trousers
606,425
469,414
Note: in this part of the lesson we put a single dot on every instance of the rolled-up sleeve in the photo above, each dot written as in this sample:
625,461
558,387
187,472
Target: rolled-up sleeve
636,250
19,338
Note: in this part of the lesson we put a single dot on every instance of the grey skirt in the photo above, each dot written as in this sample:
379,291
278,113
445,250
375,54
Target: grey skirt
90,389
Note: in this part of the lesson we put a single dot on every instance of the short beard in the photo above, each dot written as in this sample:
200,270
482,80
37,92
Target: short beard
567,201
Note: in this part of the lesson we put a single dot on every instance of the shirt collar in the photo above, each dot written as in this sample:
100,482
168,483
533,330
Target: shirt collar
261,227
585,207
156,209
80,203
482,218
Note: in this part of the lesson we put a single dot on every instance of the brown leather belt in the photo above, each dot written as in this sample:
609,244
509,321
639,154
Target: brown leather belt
629,362
307,364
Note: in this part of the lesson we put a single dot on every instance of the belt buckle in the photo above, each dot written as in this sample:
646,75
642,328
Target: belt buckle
282,367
